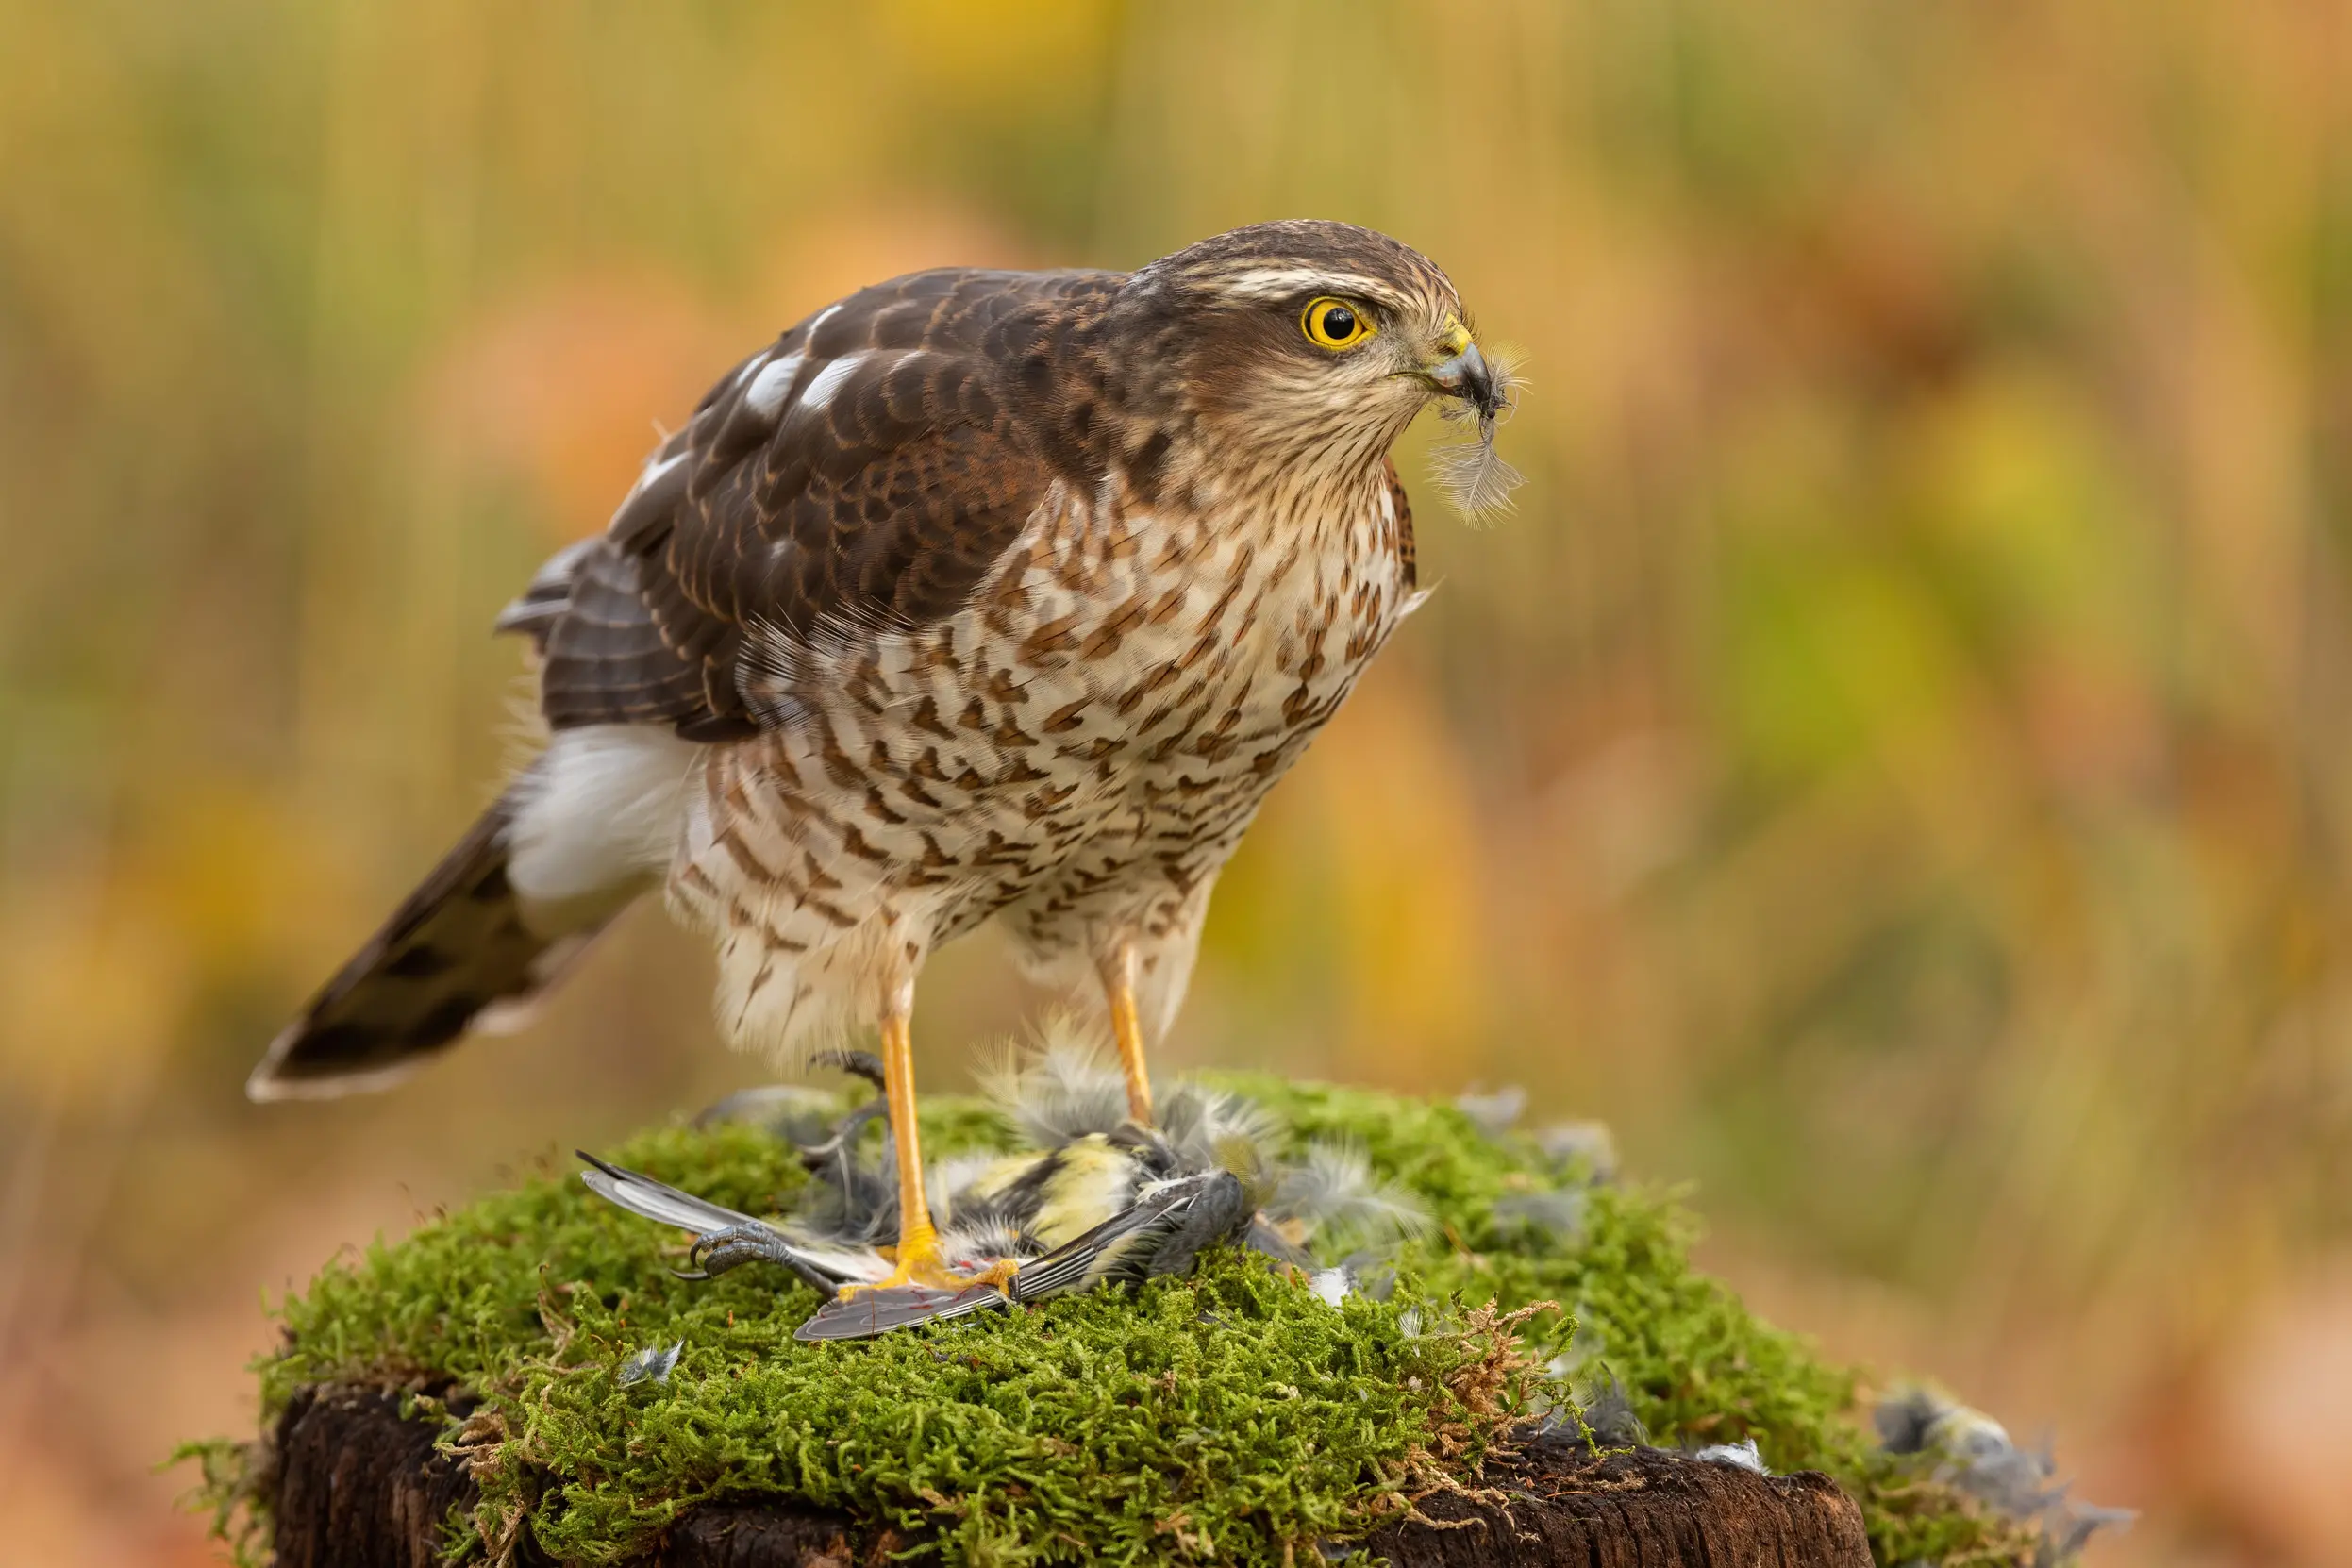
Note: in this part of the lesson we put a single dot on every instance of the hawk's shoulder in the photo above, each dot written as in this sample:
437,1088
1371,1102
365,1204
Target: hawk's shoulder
867,469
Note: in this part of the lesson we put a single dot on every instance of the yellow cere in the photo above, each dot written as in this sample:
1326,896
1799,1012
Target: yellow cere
1335,324
1457,336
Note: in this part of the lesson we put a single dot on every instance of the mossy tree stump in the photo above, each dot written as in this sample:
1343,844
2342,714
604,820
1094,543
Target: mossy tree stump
1233,1414
357,1487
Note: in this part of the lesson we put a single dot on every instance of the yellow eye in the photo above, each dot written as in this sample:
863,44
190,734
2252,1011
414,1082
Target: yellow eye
1334,323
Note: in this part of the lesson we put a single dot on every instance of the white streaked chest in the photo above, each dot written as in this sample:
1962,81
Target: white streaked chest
1126,678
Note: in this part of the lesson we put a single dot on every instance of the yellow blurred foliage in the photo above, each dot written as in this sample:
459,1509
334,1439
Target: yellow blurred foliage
554,390
63,1037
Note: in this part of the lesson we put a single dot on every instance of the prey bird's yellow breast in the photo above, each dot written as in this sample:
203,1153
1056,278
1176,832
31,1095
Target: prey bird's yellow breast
1091,1182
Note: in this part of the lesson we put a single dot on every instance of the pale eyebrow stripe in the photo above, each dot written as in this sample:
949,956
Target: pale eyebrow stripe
1275,282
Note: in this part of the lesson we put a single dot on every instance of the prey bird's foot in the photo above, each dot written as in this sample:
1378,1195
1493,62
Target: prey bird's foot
996,1271
717,1251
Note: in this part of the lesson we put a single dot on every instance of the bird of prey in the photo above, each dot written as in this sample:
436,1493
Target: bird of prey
977,594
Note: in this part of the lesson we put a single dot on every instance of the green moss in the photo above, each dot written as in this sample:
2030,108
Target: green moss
1229,1415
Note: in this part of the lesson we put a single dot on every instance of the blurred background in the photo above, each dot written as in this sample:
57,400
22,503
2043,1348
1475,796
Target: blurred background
1893,766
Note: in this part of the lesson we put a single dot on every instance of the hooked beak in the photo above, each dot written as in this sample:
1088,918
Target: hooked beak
1463,373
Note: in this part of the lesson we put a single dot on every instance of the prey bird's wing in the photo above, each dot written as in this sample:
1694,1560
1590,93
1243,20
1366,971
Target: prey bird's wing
878,1311
1162,1233
659,1201
840,1260
724,1239
867,470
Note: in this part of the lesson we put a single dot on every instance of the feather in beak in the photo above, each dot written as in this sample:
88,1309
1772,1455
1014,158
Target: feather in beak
1474,387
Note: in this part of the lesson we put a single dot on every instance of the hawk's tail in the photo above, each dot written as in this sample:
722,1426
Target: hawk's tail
459,955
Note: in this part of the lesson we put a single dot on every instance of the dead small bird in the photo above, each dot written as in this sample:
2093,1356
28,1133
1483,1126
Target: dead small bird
1096,1199
1975,1453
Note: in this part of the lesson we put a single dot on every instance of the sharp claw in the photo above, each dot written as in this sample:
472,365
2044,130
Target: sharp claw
859,1064
717,1251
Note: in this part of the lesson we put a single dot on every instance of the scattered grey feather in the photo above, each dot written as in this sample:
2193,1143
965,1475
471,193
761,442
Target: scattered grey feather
1585,1149
792,1111
1368,1274
2063,1539
992,1236
1207,1127
1371,1274
1262,1237
1558,1215
1495,1114
1741,1455
1332,1194
1058,1090
1062,1086
652,1364
1558,1397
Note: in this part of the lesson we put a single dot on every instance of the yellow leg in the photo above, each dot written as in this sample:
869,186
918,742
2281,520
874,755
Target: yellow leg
917,1259
1119,985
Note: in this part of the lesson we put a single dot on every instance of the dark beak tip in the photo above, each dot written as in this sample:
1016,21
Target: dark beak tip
1468,376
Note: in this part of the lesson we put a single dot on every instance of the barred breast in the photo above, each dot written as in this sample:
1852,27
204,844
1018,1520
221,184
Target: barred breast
1078,750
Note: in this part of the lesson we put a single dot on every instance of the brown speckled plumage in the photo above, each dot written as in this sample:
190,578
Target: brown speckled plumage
974,594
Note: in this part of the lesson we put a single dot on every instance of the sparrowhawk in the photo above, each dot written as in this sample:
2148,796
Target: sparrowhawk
975,594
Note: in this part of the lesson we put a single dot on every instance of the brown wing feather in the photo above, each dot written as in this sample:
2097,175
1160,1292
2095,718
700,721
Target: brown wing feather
869,468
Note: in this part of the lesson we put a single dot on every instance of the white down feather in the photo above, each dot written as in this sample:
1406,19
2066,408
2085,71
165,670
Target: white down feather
597,817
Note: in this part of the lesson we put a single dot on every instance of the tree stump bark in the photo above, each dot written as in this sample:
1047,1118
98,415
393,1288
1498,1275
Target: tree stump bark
357,1487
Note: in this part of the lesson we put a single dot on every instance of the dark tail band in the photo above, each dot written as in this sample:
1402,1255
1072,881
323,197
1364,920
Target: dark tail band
458,955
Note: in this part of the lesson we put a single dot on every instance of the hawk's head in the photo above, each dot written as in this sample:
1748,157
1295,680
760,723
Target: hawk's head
1309,343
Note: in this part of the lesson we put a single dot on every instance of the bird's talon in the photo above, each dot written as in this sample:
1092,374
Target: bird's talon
920,1267
999,1273
715,1252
